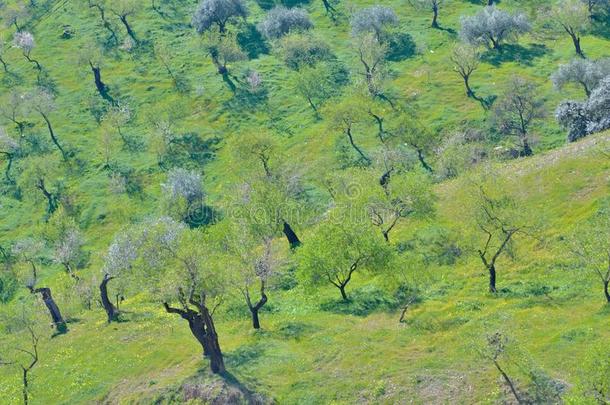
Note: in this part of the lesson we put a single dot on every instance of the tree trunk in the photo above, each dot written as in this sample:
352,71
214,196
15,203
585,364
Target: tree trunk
435,16
53,137
576,41
492,279
292,237
9,164
509,382
356,148
130,32
51,199
343,293
527,150
606,292
4,65
469,91
213,347
99,84
255,322
422,160
110,309
47,298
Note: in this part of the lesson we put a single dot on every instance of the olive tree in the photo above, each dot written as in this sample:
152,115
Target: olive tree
281,20
13,108
42,102
31,254
375,19
407,195
26,355
432,5
518,108
252,261
24,40
41,177
500,218
184,195
217,13
3,47
588,117
342,245
100,6
491,27
347,115
466,60
571,17
123,9
590,244
584,72
174,264
10,148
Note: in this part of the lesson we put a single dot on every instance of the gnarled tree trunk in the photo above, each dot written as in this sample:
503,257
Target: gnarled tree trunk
111,310
47,298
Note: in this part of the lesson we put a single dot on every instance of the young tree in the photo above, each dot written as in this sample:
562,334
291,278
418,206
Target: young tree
495,349
281,21
116,118
123,9
373,20
41,176
16,14
499,218
26,356
432,5
118,262
12,107
253,265
571,17
371,53
67,242
42,102
25,41
408,195
224,50
342,245
100,6
466,60
30,253
350,112
10,148
219,13
585,72
517,109
174,264
3,47
492,26
590,244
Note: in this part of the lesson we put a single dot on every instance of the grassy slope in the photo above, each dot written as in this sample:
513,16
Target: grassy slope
336,357
307,355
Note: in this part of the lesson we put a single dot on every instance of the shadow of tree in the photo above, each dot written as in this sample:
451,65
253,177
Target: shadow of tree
514,53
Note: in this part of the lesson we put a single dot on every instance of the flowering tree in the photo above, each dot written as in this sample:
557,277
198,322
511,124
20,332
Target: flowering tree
492,26
9,147
374,19
584,72
24,40
281,20
218,13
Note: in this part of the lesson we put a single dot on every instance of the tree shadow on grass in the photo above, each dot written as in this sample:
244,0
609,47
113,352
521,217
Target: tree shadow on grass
514,53
362,302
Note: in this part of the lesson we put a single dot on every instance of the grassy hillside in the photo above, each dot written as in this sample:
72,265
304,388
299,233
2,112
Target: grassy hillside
553,311
312,348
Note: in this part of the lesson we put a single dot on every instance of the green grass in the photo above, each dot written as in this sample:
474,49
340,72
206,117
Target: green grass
305,354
